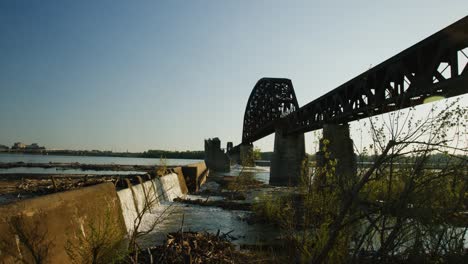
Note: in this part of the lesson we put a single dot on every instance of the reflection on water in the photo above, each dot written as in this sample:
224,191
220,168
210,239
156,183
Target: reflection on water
441,238
260,173
29,158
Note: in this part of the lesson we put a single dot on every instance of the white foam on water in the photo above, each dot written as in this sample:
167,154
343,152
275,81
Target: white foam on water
129,211
144,199
171,186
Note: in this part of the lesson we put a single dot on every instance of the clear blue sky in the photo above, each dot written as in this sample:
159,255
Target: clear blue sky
141,75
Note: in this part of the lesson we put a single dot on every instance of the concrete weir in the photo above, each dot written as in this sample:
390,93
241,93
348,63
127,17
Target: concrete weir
66,219
289,152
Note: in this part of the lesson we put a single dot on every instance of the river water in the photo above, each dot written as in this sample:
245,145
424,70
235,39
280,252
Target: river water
259,173
34,170
209,219
29,158
173,216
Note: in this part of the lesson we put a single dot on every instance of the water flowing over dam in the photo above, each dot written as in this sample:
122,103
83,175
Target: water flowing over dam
156,199
147,196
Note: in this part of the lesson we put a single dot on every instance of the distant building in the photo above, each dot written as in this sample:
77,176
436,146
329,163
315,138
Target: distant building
18,145
4,148
34,146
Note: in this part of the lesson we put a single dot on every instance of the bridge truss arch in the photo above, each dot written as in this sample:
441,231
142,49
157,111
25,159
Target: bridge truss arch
270,100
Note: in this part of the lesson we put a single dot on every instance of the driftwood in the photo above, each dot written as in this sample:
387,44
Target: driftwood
197,247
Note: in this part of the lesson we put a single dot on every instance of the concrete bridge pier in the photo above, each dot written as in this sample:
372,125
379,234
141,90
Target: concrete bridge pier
246,155
340,147
289,152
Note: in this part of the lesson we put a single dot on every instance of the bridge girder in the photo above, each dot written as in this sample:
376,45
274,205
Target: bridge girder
431,67
428,68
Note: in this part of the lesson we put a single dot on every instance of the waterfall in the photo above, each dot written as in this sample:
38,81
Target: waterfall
171,187
129,211
147,196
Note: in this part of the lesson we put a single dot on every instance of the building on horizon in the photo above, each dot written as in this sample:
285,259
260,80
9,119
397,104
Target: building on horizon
18,145
34,146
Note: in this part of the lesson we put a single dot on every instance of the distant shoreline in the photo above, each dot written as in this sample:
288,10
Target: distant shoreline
151,154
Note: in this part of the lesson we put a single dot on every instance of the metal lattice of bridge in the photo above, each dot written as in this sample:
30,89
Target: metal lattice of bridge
436,66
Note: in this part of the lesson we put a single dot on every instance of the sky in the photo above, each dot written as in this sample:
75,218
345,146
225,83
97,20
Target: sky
139,75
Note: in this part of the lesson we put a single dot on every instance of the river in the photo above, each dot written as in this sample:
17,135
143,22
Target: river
31,158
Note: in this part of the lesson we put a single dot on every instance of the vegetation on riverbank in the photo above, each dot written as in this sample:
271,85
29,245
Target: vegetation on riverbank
390,212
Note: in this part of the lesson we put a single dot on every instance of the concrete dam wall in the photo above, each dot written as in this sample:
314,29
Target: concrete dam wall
52,222
62,223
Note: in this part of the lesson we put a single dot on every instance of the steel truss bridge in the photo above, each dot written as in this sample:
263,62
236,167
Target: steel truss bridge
436,66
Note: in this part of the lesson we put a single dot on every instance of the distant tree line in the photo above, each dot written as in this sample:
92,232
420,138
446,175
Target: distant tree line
430,159
197,154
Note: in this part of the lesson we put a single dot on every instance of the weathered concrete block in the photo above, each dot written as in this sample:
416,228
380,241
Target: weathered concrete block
182,182
215,158
195,175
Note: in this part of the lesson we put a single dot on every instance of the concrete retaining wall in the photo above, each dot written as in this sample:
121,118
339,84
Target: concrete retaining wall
51,222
